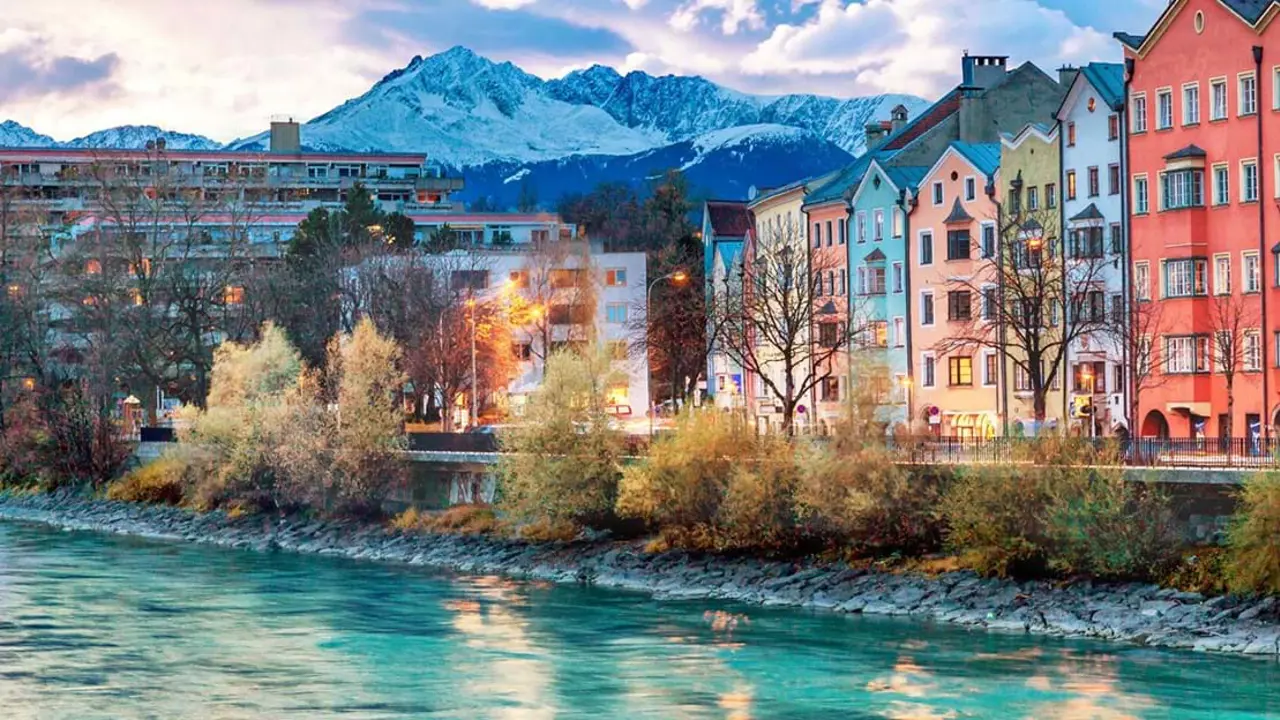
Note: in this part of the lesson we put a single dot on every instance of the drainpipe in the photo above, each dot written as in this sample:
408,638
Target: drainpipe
1002,399
1262,255
1130,295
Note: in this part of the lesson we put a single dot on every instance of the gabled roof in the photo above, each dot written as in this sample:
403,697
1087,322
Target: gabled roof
1046,133
1108,80
958,214
847,177
983,156
875,255
1251,11
946,106
906,177
730,253
1129,40
1089,213
802,183
1032,225
1254,13
728,218
1190,151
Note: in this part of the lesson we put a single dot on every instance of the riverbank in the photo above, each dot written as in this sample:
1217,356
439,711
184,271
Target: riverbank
1136,613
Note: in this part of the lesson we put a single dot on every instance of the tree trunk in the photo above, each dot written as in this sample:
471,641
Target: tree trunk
1231,402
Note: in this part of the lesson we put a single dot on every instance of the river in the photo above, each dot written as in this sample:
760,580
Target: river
98,626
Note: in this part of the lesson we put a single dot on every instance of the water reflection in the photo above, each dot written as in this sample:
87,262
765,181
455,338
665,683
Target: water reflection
104,627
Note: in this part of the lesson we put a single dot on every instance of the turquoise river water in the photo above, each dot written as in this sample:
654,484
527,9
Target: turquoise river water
111,627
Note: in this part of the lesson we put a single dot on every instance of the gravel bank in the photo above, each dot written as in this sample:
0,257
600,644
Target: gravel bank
1136,613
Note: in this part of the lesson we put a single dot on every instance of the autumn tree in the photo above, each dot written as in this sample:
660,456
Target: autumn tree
770,317
1237,342
1029,297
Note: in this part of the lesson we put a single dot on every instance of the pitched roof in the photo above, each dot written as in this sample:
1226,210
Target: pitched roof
828,309
946,106
728,218
815,180
1108,80
1251,10
1032,225
958,214
847,177
1190,151
983,156
1089,213
730,253
1129,40
906,177
875,255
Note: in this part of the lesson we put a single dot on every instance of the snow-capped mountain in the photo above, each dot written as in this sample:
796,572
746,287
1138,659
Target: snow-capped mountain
462,110
13,134
137,136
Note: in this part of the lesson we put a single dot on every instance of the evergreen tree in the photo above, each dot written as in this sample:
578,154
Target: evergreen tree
399,230
527,201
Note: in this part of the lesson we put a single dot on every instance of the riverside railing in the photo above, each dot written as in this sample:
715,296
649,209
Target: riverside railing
1202,453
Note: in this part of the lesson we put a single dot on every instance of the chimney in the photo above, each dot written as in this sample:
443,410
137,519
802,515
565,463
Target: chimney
982,71
1067,75
898,118
286,137
876,133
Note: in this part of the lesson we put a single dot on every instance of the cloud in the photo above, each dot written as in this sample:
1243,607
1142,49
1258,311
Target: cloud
25,74
734,14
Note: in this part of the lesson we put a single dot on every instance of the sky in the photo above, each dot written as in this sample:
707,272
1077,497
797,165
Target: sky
223,68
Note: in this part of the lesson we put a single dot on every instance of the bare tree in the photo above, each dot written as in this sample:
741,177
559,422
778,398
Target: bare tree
1233,323
769,319
1036,299
1133,336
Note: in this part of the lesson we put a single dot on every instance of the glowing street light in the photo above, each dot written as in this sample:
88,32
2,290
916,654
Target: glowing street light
678,277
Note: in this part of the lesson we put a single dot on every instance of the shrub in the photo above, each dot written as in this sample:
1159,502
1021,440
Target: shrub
562,464
1253,558
159,482
459,519
995,518
1104,525
758,510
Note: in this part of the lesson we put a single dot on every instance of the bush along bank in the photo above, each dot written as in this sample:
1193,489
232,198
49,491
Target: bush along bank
1132,612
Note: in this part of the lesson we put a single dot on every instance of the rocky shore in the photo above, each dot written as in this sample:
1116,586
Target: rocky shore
1136,613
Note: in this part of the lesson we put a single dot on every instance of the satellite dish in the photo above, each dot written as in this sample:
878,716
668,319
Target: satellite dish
752,193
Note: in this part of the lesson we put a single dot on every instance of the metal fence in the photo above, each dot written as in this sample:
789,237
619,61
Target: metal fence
1204,453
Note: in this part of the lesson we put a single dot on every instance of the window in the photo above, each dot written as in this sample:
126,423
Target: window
617,350
875,281
93,267
990,303
817,234
1117,309
926,247
1251,271
1164,109
1248,181
862,281
615,313
928,371
970,188
844,279
1090,377
899,332
1087,242
1252,351
844,230
959,306
831,282
1093,182
233,295
1051,195
522,351
926,308
830,389
1222,274
1248,93
1071,184
1184,278
1113,126
1117,238
862,227
562,314
828,334
879,333
960,371
1221,184
1218,99
988,240
1142,280
1095,306
469,280
1182,189
1033,198
616,277
937,193
957,244
897,222
1275,88
829,234
877,226
568,278
1140,197
897,277
990,368
1021,378
1191,104
1186,354
1138,108
1113,179
1071,134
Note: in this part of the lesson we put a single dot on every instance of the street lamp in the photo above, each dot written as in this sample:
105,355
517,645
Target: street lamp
471,305
678,277
1086,372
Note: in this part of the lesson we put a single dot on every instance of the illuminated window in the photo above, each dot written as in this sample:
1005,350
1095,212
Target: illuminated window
93,267
233,295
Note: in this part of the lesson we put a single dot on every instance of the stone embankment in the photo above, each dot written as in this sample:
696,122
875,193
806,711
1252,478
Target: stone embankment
1136,613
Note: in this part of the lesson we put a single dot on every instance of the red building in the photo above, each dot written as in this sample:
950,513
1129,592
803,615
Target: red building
1203,138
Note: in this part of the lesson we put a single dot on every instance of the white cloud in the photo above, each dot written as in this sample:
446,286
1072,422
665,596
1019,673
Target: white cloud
734,15
503,4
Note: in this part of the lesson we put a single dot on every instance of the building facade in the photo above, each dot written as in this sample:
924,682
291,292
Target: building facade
1203,111
725,227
